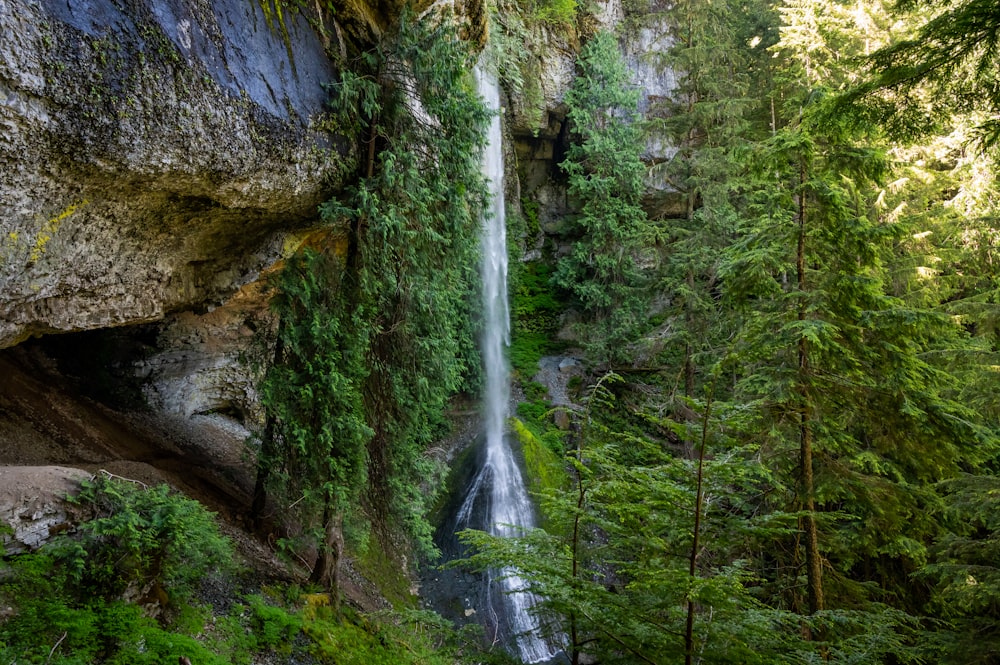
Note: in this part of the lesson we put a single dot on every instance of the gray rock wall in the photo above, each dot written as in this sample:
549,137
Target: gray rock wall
152,154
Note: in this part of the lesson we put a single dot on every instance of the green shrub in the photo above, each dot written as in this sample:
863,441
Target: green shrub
526,349
152,645
536,391
65,596
535,307
532,222
140,537
535,312
556,12
534,410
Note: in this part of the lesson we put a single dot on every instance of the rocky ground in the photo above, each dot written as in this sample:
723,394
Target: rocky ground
51,435
45,420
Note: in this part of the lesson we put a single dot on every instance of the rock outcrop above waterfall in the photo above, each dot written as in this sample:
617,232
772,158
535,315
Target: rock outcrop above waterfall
156,158
152,155
537,113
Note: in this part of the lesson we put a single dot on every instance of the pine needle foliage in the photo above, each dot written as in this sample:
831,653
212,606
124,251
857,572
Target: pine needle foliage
710,118
966,572
950,62
850,409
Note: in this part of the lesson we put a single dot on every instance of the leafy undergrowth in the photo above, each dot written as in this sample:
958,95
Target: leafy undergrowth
65,604
389,638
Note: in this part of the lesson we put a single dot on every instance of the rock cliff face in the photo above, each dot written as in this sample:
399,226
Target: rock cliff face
537,116
158,156
152,155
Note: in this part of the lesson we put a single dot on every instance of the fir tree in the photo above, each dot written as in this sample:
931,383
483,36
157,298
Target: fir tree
710,117
949,65
835,365
606,177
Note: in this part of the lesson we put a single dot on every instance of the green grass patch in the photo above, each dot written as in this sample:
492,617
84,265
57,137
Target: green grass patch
408,638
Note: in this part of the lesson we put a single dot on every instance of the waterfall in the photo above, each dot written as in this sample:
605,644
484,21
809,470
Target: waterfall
498,487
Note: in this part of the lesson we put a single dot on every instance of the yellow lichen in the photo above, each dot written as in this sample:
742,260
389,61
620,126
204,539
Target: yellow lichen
49,229
292,243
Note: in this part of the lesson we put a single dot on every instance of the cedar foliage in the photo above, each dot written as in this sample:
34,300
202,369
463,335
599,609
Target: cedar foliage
371,344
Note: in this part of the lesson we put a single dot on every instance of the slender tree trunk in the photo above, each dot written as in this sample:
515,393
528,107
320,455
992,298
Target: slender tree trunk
268,452
689,348
575,572
695,540
814,566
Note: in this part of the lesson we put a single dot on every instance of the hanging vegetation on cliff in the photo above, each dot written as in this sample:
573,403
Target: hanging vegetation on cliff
389,328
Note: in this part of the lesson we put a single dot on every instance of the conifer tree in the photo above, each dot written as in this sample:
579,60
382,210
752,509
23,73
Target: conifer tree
619,569
966,573
947,66
606,178
313,452
834,363
709,117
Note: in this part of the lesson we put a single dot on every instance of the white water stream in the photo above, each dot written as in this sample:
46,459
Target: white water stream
508,506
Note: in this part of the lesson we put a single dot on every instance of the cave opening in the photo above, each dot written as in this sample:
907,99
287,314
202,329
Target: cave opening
102,364
88,400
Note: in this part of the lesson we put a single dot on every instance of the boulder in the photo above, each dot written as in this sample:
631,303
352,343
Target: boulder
33,503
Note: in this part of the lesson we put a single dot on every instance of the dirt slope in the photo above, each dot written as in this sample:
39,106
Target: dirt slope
44,421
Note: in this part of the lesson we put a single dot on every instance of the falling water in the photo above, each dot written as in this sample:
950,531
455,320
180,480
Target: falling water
498,488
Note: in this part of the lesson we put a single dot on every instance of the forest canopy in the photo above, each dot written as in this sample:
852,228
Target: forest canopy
785,449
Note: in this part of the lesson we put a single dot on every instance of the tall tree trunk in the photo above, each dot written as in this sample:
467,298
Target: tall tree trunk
690,205
268,452
814,565
575,544
688,347
695,540
326,570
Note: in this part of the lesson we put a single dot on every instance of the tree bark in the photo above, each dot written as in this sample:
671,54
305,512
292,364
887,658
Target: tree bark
326,570
268,452
814,565
695,544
